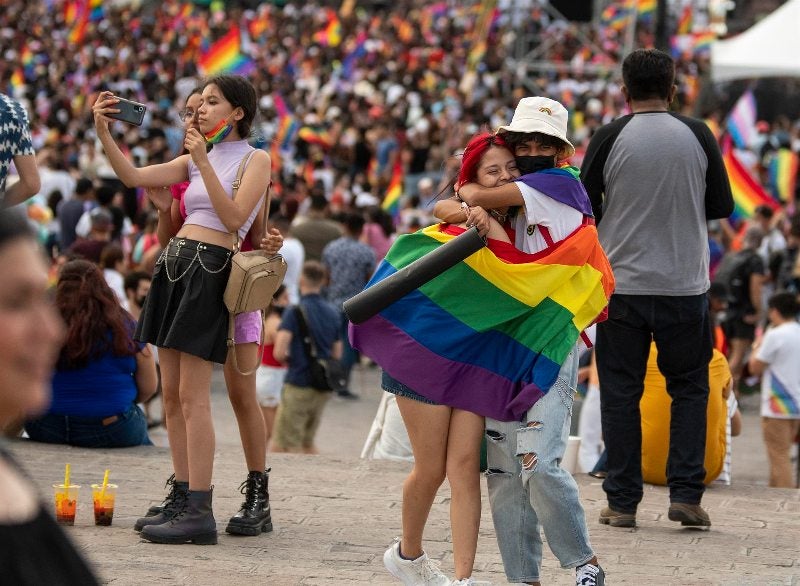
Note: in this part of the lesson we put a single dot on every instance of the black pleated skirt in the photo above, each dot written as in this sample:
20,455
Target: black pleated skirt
184,309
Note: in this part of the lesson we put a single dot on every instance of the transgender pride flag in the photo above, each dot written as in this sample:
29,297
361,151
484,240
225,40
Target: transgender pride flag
490,334
742,121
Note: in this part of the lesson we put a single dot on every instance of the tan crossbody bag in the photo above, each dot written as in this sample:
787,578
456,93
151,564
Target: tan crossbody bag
255,276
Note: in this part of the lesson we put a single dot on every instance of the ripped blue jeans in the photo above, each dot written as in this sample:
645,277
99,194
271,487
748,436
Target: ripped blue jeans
528,490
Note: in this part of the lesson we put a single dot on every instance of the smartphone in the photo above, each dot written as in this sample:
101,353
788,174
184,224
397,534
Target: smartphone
129,111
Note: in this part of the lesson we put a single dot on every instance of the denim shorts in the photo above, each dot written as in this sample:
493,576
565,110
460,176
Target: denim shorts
116,431
394,386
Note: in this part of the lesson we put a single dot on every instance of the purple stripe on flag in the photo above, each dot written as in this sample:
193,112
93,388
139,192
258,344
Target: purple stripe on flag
560,187
459,385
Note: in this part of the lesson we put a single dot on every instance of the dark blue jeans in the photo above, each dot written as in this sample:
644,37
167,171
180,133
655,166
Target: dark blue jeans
128,429
681,329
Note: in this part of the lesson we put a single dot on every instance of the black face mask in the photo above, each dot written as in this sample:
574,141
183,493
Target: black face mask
530,164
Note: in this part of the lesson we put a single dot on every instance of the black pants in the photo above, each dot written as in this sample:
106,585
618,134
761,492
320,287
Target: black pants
681,329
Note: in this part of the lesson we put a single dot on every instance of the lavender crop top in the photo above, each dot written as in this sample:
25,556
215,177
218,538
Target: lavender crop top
224,158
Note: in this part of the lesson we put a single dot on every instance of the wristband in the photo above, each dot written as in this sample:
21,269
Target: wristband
465,207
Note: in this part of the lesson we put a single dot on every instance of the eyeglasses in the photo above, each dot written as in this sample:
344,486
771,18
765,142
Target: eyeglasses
186,114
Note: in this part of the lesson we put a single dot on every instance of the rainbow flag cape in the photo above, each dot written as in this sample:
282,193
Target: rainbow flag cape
490,334
747,192
225,56
783,174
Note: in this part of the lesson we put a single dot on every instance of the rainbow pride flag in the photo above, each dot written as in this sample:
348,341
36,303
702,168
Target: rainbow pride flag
646,9
685,21
351,57
96,10
394,193
76,15
490,334
747,192
783,174
615,16
225,56
331,35
702,41
316,135
17,78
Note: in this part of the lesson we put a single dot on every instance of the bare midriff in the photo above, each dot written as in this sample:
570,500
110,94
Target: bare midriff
207,235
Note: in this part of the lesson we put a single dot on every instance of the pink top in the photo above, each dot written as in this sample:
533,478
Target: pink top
225,158
374,235
177,191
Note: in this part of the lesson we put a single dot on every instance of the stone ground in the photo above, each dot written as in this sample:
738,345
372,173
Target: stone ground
335,514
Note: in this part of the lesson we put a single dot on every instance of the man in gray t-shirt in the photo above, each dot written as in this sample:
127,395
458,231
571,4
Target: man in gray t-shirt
654,178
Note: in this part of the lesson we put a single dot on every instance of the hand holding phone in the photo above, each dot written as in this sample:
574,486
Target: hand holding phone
129,111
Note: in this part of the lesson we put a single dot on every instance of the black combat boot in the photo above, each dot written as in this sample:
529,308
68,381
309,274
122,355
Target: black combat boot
193,523
254,517
162,513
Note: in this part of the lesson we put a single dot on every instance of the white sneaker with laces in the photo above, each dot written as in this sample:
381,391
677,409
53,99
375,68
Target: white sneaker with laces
419,572
590,575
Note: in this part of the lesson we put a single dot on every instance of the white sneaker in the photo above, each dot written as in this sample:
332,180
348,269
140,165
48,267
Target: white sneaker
590,575
469,582
419,572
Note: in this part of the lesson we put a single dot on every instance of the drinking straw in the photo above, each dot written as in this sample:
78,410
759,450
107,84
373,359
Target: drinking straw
105,483
66,478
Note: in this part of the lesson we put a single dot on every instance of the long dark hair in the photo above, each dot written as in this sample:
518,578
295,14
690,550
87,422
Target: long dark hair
240,93
96,323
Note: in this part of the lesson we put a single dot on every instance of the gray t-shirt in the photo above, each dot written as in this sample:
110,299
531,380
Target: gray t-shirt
654,178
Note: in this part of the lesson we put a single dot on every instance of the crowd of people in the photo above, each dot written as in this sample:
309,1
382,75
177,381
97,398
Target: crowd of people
348,104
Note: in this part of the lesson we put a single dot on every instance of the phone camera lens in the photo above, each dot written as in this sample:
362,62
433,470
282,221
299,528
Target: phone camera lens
138,108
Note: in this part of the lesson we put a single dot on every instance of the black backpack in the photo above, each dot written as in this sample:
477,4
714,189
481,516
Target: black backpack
734,273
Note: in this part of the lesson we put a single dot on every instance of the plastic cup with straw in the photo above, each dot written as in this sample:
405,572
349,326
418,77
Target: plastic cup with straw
66,496
103,496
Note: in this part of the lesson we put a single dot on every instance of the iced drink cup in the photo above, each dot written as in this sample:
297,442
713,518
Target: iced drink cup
103,503
66,503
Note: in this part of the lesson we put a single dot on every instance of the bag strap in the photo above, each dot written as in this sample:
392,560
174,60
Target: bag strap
308,339
264,209
232,344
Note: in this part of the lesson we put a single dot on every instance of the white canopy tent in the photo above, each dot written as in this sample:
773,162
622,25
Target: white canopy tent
770,48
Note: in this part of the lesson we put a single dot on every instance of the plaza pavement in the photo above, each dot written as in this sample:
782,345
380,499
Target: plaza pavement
335,514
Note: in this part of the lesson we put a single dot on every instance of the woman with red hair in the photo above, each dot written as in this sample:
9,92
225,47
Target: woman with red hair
101,372
445,440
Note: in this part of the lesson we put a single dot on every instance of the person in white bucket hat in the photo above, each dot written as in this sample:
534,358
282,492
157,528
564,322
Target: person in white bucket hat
542,115
528,489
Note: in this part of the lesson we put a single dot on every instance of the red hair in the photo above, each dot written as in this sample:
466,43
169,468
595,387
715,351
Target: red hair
473,153
96,322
